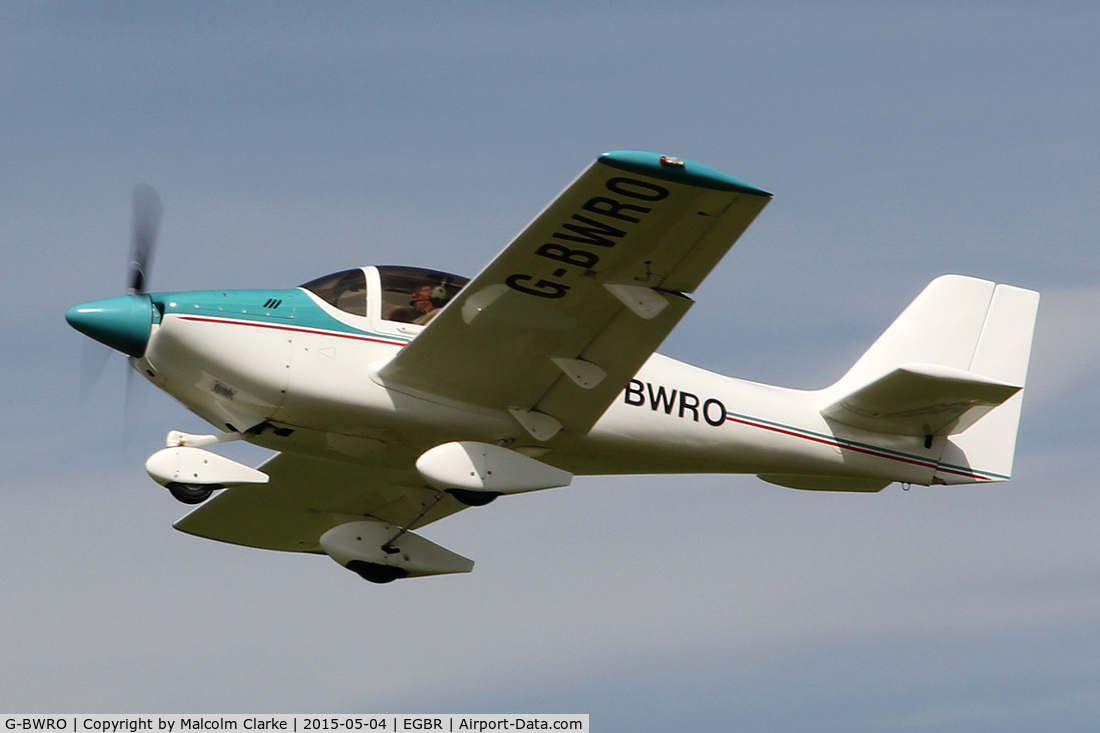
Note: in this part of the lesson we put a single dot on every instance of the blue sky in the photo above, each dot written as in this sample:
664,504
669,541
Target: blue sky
901,141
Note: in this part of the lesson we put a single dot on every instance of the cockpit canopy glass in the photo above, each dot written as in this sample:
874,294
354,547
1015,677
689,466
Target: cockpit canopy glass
409,294
414,294
347,290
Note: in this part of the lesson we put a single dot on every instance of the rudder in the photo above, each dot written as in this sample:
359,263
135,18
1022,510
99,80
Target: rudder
988,447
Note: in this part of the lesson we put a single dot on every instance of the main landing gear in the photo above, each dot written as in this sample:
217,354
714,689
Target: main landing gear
192,493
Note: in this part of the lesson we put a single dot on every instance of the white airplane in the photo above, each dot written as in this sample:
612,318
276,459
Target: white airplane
396,396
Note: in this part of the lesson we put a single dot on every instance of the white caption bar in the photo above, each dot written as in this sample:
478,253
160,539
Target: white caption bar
448,723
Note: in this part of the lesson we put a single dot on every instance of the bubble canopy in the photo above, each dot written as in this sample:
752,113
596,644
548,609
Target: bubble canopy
407,294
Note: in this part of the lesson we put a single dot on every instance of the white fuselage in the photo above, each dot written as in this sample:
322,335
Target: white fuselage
314,387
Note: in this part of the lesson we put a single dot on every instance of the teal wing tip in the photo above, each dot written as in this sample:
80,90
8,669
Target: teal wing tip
677,170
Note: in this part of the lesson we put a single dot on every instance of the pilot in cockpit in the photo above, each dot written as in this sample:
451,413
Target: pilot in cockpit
426,303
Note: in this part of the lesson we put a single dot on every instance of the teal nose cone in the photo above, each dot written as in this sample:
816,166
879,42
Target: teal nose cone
123,323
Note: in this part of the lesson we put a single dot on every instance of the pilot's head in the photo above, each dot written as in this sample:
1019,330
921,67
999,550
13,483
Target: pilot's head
422,298
426,297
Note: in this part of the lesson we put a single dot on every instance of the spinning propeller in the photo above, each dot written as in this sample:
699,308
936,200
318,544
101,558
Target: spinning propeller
124,322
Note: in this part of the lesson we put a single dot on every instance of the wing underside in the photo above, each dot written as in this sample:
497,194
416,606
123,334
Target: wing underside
306,497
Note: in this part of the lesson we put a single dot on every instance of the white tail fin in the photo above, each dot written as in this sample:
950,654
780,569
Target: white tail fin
953,364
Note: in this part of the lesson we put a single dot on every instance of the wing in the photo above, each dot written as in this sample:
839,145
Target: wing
306,497
554,327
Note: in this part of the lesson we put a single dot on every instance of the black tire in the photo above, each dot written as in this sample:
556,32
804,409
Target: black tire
192,493
473,498
376,573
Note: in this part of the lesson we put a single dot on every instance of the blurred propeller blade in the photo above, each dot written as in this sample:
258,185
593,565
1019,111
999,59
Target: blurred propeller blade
93,359
134,401
146,221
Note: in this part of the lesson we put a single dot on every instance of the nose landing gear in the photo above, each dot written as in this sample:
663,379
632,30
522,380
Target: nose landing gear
193,474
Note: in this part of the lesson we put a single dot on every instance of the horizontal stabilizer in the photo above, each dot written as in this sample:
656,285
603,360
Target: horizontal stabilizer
921,399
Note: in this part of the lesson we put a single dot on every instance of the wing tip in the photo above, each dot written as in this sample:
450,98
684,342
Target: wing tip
683,171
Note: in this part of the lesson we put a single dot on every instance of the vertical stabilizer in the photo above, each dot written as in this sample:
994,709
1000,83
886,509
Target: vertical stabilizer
941,326
958,353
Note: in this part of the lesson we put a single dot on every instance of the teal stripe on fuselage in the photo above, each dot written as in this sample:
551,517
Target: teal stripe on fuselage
285,307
